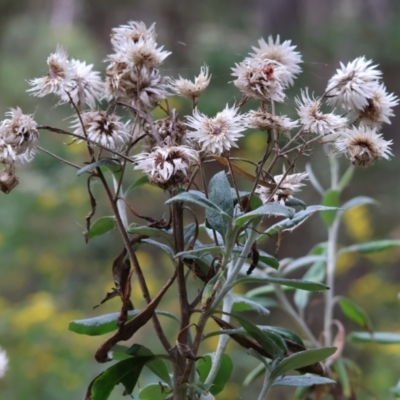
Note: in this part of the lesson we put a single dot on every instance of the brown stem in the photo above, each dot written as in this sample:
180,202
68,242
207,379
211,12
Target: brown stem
142,282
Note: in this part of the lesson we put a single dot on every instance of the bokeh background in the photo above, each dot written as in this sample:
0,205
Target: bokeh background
49,276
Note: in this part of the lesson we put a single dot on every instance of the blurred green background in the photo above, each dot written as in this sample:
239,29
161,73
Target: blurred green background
48,275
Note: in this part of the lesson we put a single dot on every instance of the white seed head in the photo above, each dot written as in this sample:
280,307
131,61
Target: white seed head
60,71
84,86
363,146
379,108
167,166
284,53
313,120
286,187
353,84
105,129
18,137
133,31
216,134
261,79
185,88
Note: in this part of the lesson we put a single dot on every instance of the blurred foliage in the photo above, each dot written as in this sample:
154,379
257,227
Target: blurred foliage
49,276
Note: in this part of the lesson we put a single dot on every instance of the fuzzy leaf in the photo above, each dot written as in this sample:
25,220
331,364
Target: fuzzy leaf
241,303
302,381
149,231
370,247
375,337
357,201
266,209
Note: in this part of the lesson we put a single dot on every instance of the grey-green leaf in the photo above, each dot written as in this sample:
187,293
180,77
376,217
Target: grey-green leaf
301,359
302,381
102,162
267,209
375,337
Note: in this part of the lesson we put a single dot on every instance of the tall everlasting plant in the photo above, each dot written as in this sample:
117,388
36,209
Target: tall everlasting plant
215,230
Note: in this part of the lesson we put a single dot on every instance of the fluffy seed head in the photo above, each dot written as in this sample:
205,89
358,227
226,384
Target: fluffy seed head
353,84
105,129
60,71
18,137
84,86
261,79
313,120
167,166
217,134
363,146
284,53
286,187
185,88
379,108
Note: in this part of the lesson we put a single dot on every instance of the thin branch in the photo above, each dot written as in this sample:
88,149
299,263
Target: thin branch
59,158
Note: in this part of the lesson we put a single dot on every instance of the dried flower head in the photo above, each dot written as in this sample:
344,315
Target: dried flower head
8,181
353,85
3,362
379,108
286,187
60,71
105,129
84,86
264,121
216,134
170,131
363,146
284,53
261,79
139,87
133,31
313,120
185,88
167,166
18,137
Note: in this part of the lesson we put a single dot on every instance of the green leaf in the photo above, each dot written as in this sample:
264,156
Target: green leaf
161,246
330,199
346,178
302,262
302,381
294,283
140,182
357,201
203,367
200,250
219,193
126,372
241,303
149,231
301,359
254,374
375,337
293,202
155,365
154,391
267,209
101,226
354,312
370,247
103,162
292,223
343,377
316,273
105,323
285,333
271,342
198,199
